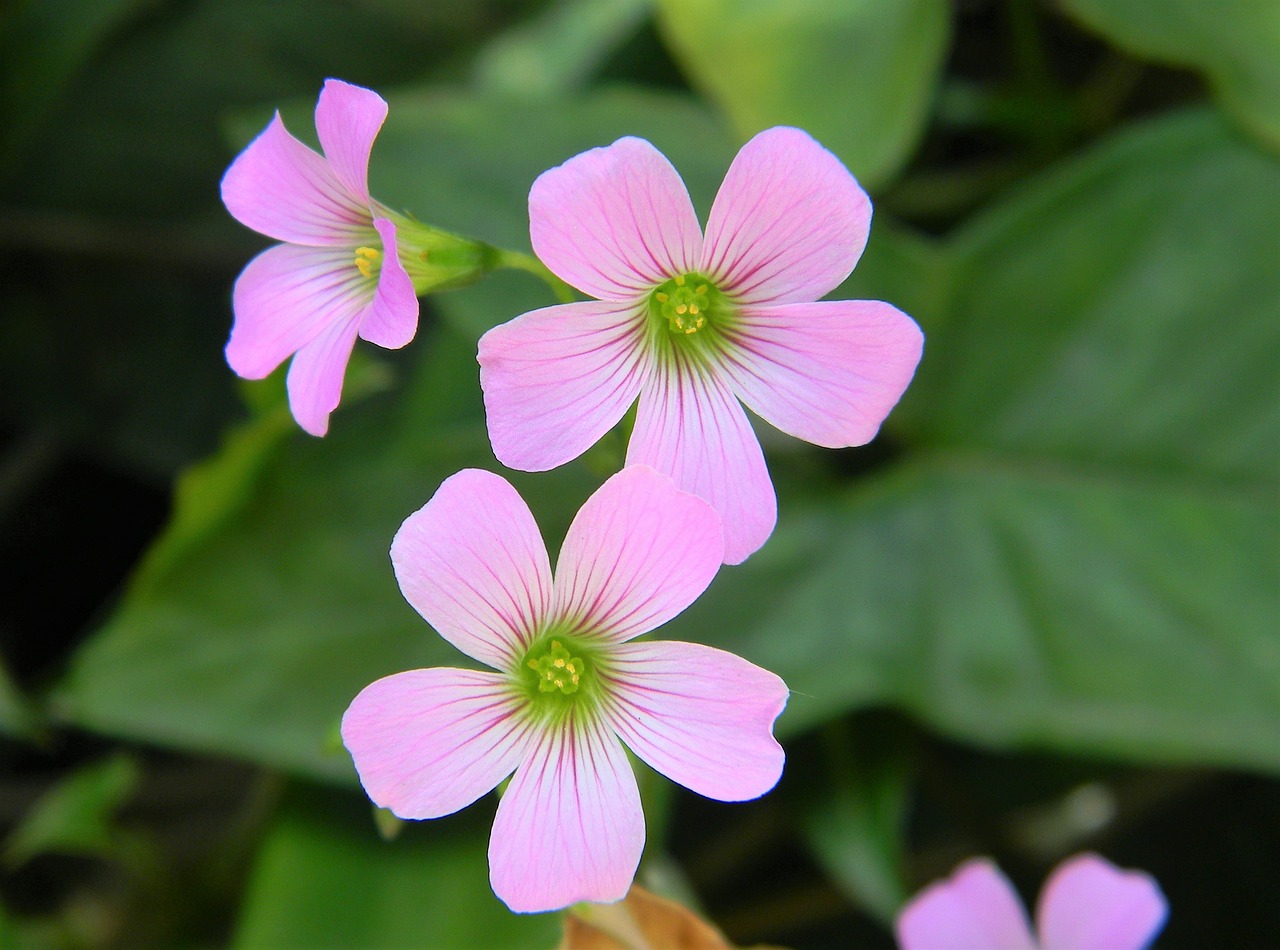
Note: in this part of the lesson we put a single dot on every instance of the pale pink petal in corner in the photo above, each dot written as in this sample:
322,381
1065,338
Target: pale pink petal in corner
556,380
315,375
614,221
428,742
283,189
976,908
691,426
638,553
348,119
392,320
826,372
284,299
788,224
569,827
1090,904
472,563
700,716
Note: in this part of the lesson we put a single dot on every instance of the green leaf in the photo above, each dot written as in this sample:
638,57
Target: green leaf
77,816
557,51
1236,45
1079,550
325,878
858,75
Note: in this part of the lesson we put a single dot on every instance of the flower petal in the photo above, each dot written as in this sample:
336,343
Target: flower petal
428,742
555,380
472,562
281,188
316,374
825,372
974,909
392,319
788,224
569,827
690,426
614,221
347,121
284,299
700,716
1090,904
638,552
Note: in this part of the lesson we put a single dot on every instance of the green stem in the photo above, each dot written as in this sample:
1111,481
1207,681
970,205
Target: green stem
527,262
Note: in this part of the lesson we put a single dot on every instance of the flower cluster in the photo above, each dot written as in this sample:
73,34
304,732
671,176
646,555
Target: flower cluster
692,326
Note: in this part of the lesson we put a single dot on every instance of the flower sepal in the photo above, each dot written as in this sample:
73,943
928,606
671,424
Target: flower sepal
436,259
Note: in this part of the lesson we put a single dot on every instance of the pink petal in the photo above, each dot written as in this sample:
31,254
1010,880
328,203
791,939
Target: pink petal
789,223
283,189
472,562
569,827
690,426
638,552
428,742
825,372
555,380
392,319
614,222
974,909
1090,904
316,374
347,120
700,716
284,298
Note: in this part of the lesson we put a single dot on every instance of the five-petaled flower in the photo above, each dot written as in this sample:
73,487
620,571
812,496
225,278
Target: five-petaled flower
569,688
691,324
1086,904
339,273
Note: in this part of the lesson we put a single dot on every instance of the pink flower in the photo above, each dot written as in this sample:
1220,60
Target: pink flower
338,276
1087,904
691,324
569,689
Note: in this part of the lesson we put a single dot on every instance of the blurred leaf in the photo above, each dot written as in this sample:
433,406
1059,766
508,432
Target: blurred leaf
78,815
854,821
16,716
1236,45
324,878
1081,554
557,51
858,75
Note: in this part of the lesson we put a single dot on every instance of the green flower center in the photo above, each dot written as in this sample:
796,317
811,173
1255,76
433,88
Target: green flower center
688,314
558,669
558,675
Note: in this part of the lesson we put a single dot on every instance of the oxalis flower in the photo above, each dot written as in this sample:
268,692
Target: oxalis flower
1087,904
691,324
339,274
350,266
569,688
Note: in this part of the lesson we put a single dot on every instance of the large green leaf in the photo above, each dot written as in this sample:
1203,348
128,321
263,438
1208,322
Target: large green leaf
857,74
1081,553
325,879
1236,45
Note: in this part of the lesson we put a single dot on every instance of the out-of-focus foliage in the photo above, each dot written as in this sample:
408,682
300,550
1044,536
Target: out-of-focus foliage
1061,554
1235,45
322,880
857,74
